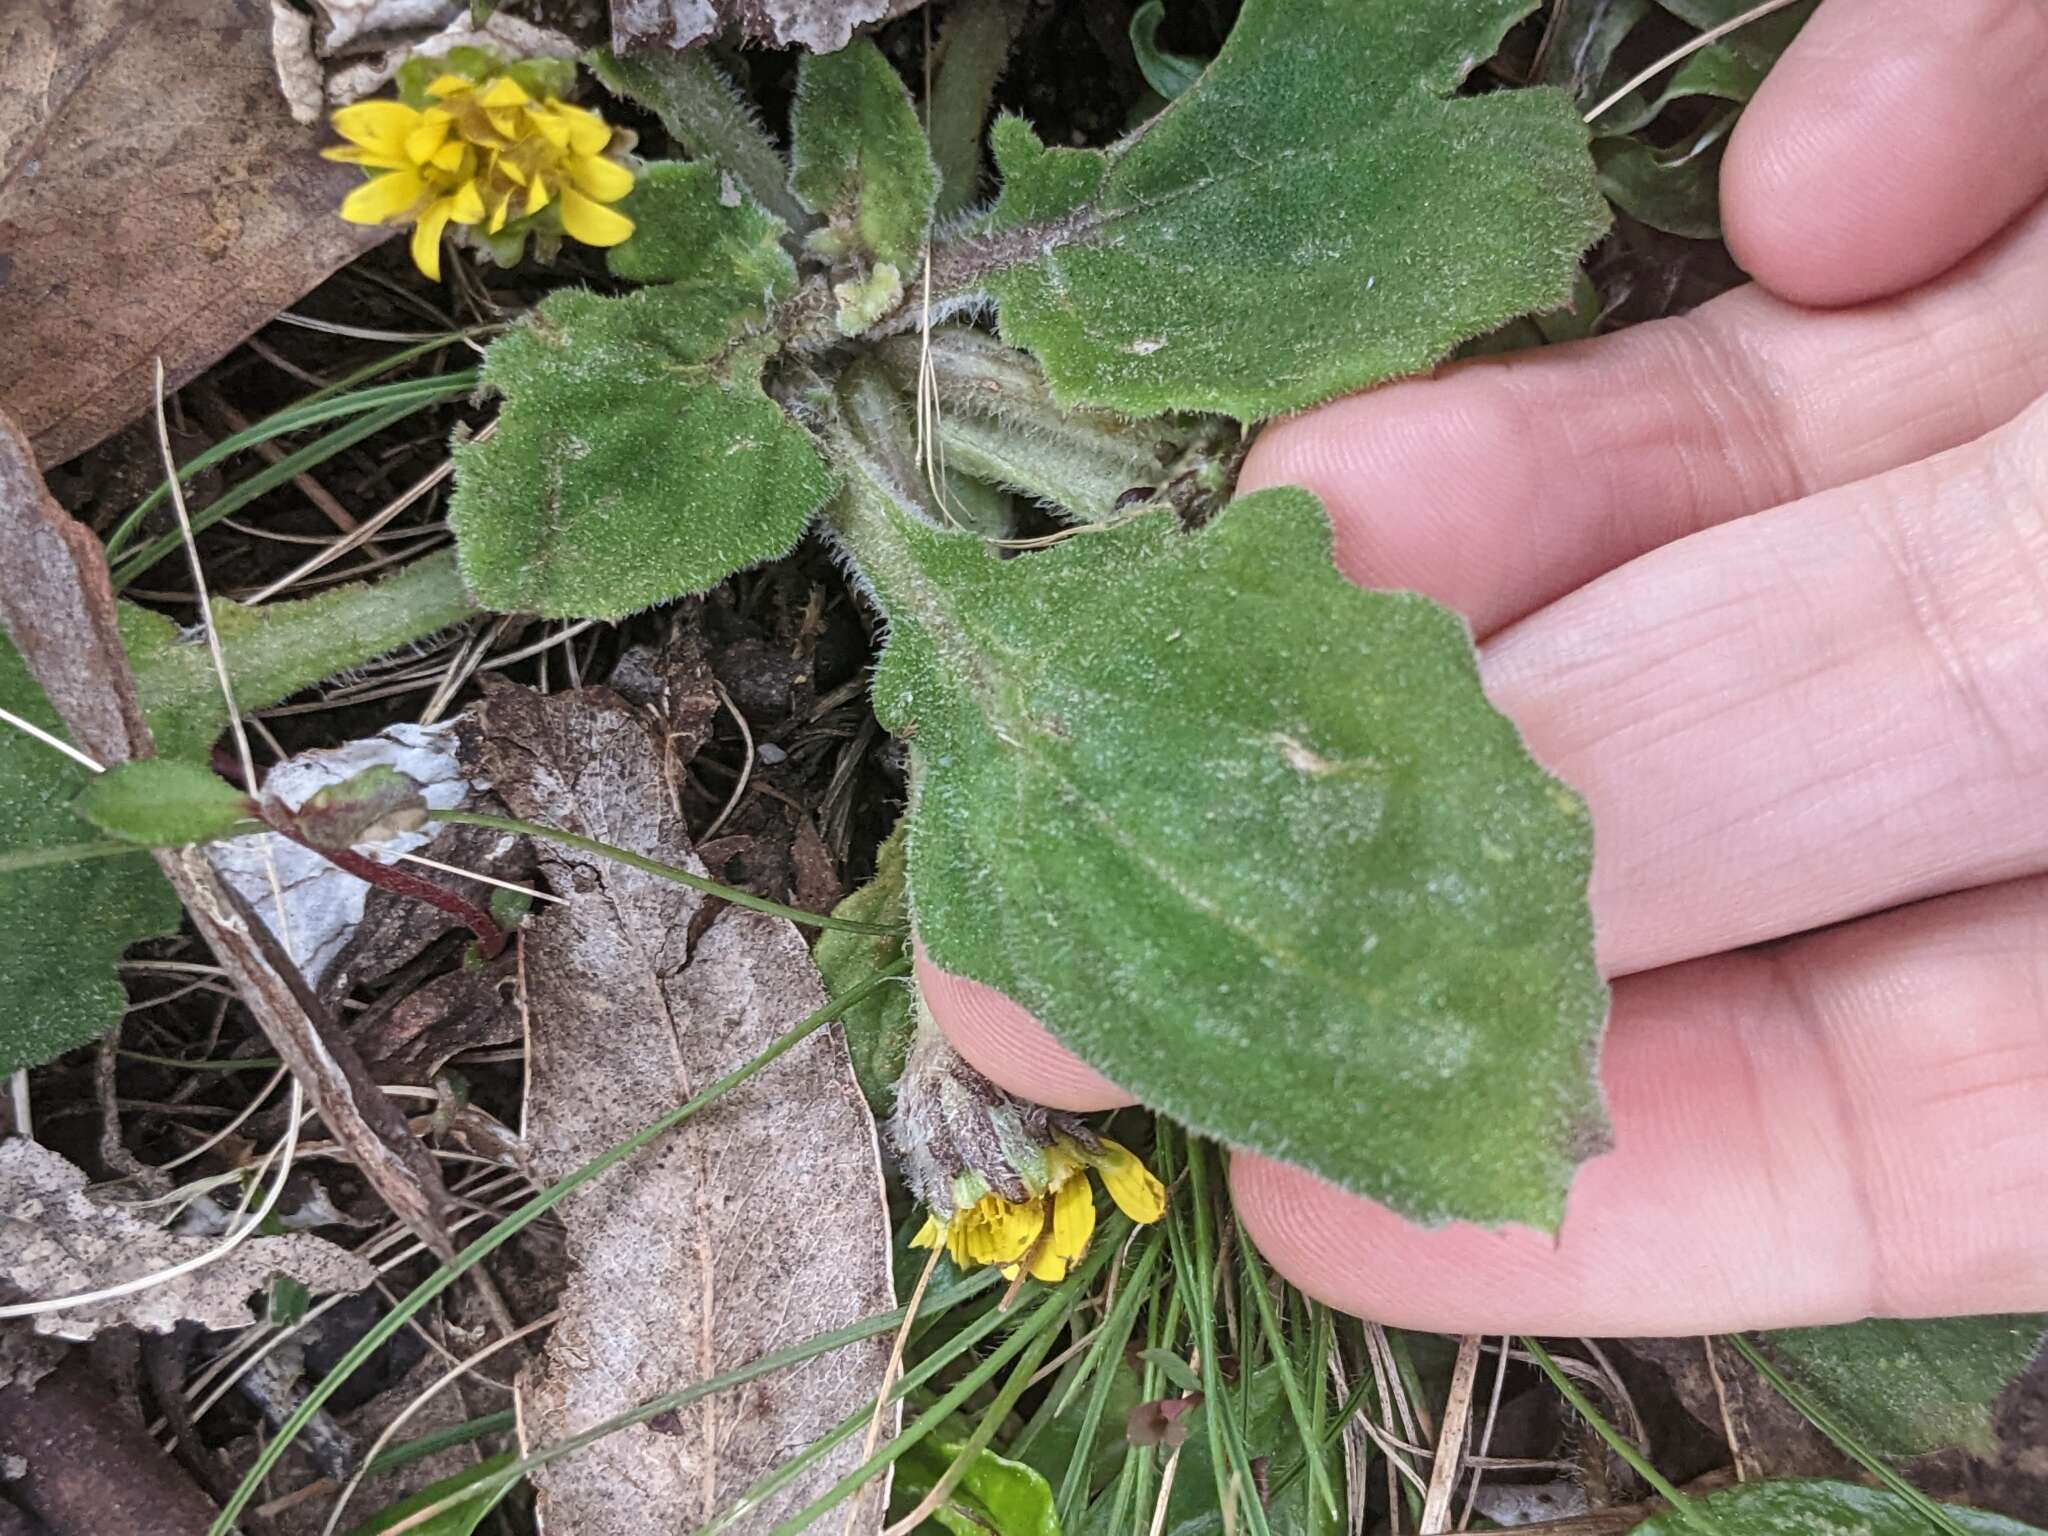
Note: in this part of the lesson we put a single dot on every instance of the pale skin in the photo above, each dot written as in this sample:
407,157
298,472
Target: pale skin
1767,584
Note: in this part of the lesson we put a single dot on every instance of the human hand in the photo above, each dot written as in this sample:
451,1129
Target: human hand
1768,584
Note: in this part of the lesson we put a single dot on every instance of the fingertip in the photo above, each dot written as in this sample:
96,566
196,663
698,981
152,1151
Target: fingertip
1891,140
1361,1258
1011,1048
1410,473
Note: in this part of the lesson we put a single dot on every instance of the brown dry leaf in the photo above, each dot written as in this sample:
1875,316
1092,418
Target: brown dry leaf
155,198
823,26
756,1225
57,606
54,1241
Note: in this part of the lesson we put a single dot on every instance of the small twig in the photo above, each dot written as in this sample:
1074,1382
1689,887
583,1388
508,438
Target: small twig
746,768
1727,1417
1450,1445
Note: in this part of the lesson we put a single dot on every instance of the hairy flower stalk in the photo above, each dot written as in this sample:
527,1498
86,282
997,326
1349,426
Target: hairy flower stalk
1006,1182
494,156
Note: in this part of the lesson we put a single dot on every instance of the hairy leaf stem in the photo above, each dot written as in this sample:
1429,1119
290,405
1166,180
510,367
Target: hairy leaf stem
711,120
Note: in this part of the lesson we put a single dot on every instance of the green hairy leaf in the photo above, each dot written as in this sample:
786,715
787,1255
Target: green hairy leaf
1252,842
861,160
162,802
707,117
1314,215
1797,1508
1678,191
66,922
1911,1387
690,228
68,909
277,649
636,457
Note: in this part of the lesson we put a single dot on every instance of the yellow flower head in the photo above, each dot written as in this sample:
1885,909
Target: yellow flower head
497,155
1047,1233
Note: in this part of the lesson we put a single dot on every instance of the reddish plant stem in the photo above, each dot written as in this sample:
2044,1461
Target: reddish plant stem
490,938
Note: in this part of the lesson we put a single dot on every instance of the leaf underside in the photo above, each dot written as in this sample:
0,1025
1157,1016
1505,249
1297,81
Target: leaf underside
1799,1508
1251,841
1909,1387
1316,214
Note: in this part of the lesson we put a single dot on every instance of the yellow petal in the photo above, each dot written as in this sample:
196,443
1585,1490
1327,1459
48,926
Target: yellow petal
384,200
449,156
466,206
426,237
514,171
550,127
450,85
378,126
930,1235
504,92
431,135
1048,1265
1073,1218
605,180
376,160
592,223
1130,1183
1001,1233
509,123
536,196
588,133
501,208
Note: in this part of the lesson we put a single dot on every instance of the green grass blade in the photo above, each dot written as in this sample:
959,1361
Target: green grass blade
310,412
1108,1347
406,1452
958,1345
268,479
1681,1506
1283,1361
695,882
1229,1457
1045,1320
